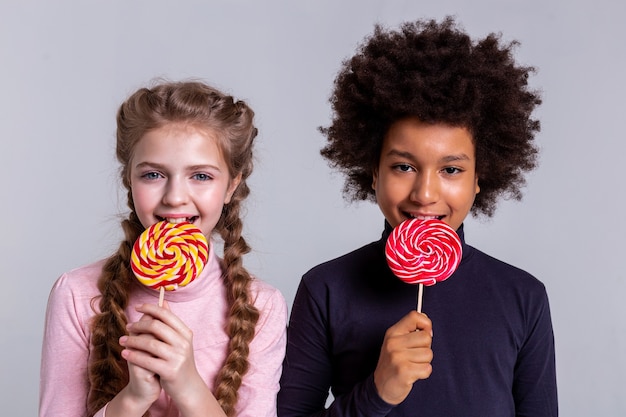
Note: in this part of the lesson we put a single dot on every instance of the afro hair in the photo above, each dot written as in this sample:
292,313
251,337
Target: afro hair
435,72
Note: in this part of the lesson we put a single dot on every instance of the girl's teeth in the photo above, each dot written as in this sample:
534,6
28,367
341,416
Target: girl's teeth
176,220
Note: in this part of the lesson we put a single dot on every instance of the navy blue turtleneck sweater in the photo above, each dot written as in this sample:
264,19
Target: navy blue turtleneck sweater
493,342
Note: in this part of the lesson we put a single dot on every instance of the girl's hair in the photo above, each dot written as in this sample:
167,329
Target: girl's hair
437,74
196,104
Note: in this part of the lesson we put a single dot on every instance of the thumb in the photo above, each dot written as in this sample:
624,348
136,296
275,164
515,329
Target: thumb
412,322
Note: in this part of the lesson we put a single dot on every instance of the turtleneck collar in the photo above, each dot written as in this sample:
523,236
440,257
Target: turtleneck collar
210,276
466,249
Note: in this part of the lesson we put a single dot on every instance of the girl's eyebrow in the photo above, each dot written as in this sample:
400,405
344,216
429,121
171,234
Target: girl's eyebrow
189,168
149,165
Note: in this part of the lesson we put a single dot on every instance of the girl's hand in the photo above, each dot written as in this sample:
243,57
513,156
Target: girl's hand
142,390
405,357
162,344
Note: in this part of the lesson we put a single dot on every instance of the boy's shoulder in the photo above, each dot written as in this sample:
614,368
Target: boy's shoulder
486,267
360,259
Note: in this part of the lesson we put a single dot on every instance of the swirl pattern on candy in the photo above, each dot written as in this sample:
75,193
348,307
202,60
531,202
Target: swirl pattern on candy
423,251
168,255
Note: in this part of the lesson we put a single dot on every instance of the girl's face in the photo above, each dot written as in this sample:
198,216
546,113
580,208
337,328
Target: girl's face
178,173
426,171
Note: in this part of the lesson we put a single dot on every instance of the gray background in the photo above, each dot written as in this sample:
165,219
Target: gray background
67,65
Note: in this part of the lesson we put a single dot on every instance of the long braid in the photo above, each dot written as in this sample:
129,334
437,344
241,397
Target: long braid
108,372
147,109
243,315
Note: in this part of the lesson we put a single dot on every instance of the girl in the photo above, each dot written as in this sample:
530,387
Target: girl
215,347
429,124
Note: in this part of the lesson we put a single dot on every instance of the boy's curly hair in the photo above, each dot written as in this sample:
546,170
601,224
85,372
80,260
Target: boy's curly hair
438,74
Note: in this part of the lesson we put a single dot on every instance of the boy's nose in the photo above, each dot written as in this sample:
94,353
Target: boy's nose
425,189
176,194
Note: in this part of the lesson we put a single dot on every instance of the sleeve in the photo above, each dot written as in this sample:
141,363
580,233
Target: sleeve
307,371
64,381
534,383
257,394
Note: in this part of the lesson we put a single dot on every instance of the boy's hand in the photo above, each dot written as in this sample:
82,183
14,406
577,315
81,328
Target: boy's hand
405,357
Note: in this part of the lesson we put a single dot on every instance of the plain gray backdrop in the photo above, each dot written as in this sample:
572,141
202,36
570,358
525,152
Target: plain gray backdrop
67,65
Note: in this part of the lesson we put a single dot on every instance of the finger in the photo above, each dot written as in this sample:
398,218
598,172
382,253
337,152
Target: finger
414,347
165,315
146,344
155,356
153,328
410,323
145,361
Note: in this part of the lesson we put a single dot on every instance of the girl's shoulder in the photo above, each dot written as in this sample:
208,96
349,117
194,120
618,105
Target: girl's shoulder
268,299
81,281
71,300
263,292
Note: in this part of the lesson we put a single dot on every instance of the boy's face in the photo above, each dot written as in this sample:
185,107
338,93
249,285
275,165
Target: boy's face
426,171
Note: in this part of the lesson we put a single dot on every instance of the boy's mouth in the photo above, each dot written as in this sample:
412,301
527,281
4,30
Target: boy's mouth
423,216
177,220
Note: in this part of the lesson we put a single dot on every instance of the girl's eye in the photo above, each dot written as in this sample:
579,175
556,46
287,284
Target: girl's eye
202,177
151,175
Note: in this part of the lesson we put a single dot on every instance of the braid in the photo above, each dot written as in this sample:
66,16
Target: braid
202,106
108,372
243,315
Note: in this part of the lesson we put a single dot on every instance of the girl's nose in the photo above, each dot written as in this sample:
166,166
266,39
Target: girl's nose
425,189
176,194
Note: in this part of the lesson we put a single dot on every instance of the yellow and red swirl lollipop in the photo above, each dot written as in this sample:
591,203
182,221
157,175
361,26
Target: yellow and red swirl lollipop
167,256
423,252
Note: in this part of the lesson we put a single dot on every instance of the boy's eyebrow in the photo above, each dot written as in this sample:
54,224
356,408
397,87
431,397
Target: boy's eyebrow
457,157
447,158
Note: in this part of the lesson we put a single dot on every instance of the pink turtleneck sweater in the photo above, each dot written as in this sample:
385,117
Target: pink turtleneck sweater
201,305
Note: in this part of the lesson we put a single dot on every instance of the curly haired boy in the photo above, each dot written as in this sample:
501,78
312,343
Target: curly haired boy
429,123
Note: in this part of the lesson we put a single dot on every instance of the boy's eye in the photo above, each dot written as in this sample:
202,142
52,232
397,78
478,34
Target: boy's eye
403,167
451,170
202,177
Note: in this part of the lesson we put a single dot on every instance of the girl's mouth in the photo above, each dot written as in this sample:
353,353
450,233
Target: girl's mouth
177,220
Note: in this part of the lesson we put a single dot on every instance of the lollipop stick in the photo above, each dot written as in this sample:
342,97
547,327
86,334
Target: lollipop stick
420,294
161,296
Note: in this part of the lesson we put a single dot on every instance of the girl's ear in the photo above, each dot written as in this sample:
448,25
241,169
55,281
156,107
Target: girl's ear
234,183
477,187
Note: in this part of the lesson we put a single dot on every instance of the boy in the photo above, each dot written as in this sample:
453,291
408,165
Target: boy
429,124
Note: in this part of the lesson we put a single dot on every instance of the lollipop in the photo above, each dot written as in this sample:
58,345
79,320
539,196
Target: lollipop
423,252
167,256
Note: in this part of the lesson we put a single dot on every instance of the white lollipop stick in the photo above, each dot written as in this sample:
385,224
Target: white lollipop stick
420,295
161,296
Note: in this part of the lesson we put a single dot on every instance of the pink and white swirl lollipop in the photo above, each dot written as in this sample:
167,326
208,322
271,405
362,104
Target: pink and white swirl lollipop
423,252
